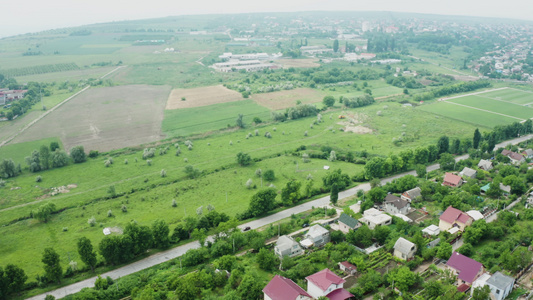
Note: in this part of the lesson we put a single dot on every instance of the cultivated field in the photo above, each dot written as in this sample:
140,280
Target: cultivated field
203,96
299,63
488,109
286,99
105,118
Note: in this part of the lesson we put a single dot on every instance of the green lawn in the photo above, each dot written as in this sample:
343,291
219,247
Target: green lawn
183,122
18,152
512,95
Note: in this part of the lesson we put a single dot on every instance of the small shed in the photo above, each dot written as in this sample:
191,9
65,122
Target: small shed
348,268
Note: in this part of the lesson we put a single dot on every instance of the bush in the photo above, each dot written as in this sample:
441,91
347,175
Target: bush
174,203
93,153
109,213
163,173
124,209
92,221
38,178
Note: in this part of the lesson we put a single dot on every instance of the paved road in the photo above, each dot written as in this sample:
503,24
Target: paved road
178,251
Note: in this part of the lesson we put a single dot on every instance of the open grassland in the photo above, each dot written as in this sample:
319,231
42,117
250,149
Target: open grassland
288,98
18,152
298,63
461,113
148,196
105,118
187,121
67,75
204,96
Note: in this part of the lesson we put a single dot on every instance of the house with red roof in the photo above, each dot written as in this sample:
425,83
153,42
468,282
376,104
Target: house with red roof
281,288
466,269
452,180
347,267
328,284
452,217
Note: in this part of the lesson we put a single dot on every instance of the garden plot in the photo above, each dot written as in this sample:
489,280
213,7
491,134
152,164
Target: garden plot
105,118
204,96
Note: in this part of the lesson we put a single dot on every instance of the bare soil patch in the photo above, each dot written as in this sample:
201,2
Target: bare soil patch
358,129
104,119
203,96
350,121
465,77
298,63
286,99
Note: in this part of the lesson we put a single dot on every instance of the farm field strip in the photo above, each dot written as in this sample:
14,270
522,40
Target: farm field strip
512,95
473,94
499,99
488,111
461,113
489,105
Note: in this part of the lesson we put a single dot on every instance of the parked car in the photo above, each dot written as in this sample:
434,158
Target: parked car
246,228
305,225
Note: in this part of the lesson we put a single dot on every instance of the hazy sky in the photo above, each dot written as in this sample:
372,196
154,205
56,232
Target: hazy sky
22,16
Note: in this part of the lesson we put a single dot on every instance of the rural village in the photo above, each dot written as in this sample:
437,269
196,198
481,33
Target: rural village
313,155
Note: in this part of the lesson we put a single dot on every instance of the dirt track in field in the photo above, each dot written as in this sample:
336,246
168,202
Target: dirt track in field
106,118
203,96
286,99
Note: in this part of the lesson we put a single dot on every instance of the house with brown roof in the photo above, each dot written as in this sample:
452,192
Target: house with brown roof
412,194
452,217
396,205
328,284
452,180
516,158
281,288
466,269
347,267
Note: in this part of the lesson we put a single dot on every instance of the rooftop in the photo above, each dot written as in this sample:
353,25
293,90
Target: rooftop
349,221
323,279
452,178
281,288
403,245
453,214
467,268
398,202
500,280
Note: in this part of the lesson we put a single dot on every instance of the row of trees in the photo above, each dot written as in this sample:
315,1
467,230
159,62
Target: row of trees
43,159
457,88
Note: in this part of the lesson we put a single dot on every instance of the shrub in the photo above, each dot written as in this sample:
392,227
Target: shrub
189,147
268,135
174,203
305,133
178,151
109,213
38,178
163,173
124,208
149,162
126,161
93,153
249,183
256,132
92,221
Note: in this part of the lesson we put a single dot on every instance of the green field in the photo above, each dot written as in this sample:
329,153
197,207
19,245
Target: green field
483,109
149,195
187,121
18,152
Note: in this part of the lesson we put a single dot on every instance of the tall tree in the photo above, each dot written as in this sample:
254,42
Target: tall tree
78,154
262,202
44,152
443,144
336,46
290,194
44,212
160,233
334,197
477,139
52,268
141,236
16,278
86,252
240,121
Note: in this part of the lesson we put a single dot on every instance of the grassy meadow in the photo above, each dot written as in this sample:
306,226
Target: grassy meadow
148,195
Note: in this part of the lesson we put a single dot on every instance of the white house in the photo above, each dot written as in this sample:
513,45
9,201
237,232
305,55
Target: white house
500,285
467,172
316,236
432,230
287,246
404,249
326,283
373,218
396,205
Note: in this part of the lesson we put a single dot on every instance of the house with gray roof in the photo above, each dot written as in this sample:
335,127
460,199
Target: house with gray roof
287,246
485,165
316,236
500,285
404,249
396,205
347,223
528,153
469,173
412,194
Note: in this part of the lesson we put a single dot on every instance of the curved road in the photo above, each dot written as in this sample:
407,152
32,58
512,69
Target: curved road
179,251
